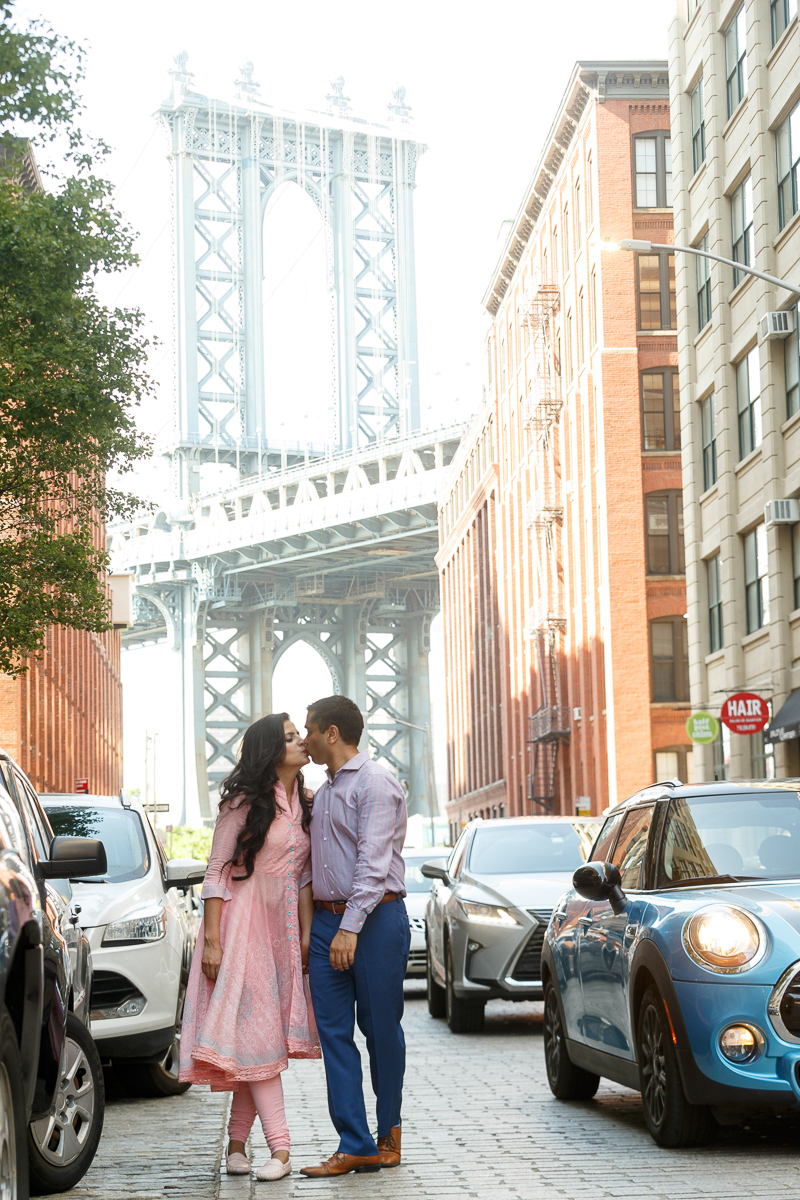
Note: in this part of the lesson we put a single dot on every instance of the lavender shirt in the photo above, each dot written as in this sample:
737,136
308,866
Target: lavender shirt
357,833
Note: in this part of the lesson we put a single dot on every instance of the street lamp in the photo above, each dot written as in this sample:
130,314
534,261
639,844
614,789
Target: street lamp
639,247
426,729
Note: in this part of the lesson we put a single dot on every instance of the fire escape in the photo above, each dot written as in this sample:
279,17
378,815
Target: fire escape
547,619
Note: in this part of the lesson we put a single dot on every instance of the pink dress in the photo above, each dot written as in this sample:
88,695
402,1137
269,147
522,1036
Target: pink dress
257,1014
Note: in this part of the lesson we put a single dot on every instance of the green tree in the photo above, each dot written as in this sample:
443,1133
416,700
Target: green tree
71,370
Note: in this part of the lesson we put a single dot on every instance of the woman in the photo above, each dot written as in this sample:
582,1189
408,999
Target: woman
248,1007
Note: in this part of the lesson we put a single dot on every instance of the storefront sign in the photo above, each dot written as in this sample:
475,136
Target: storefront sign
82,786
745,713
702,728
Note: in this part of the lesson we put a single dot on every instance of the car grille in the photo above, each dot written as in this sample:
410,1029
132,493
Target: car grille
790,1007
417,958
109,990
542,915
529,963
417,924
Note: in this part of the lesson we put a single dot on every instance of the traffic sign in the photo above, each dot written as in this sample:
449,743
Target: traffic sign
702,728
745,713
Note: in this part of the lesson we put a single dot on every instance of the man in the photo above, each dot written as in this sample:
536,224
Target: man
359,937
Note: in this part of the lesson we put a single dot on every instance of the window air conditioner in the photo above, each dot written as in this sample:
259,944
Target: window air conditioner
777,325
781,512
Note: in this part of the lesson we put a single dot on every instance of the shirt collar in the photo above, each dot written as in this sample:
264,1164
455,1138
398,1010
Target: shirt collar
353,764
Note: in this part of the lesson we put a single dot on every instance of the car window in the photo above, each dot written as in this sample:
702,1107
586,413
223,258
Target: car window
415,880
11,831
39,823
631,845
511,849
750,837
120,831
457,857
34,849
602,847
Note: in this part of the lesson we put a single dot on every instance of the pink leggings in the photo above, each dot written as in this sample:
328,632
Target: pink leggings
265,1097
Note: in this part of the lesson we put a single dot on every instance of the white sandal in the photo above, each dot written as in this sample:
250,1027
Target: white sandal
237,1163
274,1169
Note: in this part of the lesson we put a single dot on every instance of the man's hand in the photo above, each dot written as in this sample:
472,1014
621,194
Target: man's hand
343,950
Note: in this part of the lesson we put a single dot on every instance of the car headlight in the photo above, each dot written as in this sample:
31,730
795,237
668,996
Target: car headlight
140,927
724,939
488,914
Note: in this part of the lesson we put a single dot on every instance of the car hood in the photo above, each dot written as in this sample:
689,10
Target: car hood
102,903
522,891
416,903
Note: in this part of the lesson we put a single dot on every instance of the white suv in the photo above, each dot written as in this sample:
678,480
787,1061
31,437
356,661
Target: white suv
139,925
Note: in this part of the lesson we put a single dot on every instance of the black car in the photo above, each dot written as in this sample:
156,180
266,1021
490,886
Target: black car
51,1079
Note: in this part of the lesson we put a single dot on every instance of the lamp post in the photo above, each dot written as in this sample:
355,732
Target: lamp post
639,247
426,729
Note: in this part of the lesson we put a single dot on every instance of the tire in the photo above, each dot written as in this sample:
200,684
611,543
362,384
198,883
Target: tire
463,1016
13,1140
673,1122
437,1001
61,1147
567,1082
153,1080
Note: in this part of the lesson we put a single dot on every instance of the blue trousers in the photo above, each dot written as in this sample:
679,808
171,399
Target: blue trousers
370,992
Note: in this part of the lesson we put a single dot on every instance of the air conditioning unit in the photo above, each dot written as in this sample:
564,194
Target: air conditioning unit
777,325
781,512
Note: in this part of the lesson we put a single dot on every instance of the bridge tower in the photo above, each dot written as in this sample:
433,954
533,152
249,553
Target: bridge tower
331,544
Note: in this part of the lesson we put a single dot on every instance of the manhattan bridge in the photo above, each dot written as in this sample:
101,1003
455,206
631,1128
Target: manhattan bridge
332,545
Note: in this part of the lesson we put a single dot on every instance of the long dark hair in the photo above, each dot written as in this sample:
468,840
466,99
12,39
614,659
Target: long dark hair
252,781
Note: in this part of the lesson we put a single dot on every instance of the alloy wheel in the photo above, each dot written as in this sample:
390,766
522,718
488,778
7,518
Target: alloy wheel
61,1137
553,1036
653,1065
8,1141
171,1062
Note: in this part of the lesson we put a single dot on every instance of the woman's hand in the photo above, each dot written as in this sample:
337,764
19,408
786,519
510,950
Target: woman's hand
212,959
304,949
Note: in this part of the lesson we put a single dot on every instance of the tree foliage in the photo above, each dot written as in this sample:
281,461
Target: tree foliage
71,370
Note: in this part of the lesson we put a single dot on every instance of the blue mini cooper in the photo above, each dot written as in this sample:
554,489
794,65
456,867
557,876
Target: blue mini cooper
673,964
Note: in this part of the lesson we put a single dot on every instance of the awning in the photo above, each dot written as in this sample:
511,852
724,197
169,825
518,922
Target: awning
785,725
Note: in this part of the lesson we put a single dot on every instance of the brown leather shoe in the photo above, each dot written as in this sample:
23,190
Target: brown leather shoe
389,1148
340,1164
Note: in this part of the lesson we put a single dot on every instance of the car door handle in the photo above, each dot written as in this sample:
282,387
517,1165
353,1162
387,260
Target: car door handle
585,922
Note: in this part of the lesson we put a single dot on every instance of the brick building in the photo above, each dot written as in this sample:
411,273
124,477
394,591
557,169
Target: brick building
561,556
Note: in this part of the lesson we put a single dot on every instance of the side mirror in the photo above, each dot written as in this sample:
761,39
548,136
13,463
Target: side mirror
600,881
436,869
184,873
74,857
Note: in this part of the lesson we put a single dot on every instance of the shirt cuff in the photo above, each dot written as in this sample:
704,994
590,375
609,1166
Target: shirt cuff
305,879
353,920
215,891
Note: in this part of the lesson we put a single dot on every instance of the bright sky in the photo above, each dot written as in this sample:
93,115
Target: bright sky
483,82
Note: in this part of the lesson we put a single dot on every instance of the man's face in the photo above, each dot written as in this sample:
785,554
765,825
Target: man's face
316,742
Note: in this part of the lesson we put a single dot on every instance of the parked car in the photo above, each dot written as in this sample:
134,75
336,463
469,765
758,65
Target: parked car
136,918
53,1082
489,907
417,892
673,963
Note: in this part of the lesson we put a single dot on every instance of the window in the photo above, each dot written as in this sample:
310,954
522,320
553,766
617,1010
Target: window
781,12
796,563
756,580
698,127
762,757
703,286
675,763
565,240
791,352
787,141
578,221
555,256
631,846
589,192
545,268
669,660
581,329
748,398
709,423
489,359
715,633
736,60
664,533
742,226
593,305
656,282
661,410
652,160
601,850
570,347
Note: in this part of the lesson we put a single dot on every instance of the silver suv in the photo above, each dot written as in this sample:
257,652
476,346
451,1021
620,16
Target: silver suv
489,906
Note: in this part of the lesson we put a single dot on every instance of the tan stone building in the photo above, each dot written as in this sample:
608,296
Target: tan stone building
561,531
735,82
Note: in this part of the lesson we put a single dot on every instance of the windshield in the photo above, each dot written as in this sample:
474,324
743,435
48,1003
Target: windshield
531,849
119,830
415,880
756,837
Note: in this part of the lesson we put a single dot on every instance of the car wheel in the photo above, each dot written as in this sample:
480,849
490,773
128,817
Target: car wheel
155,1079
672,1121
61,1147
13,1150
437,1002
567,1082
463,1016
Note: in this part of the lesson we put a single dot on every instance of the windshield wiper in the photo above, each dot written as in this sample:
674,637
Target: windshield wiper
704,880
75,879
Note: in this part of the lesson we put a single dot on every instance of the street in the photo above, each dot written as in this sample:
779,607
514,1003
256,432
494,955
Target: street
479,1120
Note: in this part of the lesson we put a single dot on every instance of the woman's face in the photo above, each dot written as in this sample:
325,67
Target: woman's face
295,755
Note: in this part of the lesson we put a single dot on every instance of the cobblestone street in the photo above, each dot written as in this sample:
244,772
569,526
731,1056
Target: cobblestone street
479,1121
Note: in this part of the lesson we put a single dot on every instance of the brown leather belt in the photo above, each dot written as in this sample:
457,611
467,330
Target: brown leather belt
338,906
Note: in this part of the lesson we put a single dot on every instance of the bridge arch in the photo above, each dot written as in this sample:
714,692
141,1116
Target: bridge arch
324,652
